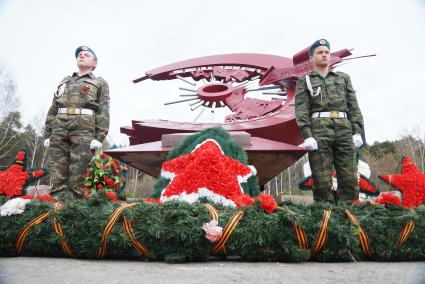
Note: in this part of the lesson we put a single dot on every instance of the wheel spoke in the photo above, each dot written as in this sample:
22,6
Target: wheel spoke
180,101
186,89
275,93
263,88
185,80
212,111
199,114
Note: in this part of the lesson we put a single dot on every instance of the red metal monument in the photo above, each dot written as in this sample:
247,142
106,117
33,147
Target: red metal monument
228,80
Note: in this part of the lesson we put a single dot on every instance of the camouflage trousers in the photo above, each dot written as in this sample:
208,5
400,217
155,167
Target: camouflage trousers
336,150
70,153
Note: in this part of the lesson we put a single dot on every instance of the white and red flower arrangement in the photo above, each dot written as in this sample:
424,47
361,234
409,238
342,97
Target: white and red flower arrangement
208,173
105,174
363,175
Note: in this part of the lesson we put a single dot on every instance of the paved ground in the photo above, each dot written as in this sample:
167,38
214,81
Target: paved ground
54,270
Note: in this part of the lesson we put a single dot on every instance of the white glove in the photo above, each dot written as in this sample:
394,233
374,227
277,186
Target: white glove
94,144
357,140
46,143
310,144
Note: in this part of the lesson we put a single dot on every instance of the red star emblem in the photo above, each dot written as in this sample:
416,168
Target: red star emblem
206,172
411,183
15,177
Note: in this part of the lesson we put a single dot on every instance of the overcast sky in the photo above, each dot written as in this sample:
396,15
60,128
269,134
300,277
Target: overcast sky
38,40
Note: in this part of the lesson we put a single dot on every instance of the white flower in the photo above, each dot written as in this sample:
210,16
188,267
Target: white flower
213,232
13,207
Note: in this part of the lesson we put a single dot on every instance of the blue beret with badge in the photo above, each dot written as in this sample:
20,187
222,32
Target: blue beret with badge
317,43
82,48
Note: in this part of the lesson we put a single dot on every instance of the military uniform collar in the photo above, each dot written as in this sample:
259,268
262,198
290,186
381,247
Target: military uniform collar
90,75
315,73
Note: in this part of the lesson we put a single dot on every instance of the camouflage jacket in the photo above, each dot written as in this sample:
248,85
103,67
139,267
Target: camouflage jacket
337,94
87,92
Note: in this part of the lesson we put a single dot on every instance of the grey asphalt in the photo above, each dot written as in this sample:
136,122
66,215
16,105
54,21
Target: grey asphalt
61,270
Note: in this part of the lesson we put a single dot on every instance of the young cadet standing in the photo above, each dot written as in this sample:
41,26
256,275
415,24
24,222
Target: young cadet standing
331,123
77,122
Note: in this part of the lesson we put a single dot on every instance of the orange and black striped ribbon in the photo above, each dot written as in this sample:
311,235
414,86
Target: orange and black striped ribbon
363,238
408,228
101,252
136,244
20,240
322,236
213,212
298,230
220,245
300,234
58,229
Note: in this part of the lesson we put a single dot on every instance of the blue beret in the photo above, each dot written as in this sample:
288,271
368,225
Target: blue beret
83,47
317,43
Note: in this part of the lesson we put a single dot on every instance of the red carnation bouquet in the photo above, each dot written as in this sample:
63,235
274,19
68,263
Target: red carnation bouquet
388,198
105,174
17,177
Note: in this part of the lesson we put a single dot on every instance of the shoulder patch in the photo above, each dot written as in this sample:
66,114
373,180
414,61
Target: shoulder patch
64,80
339,73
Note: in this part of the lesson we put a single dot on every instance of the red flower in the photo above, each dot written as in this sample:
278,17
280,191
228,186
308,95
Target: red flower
37,173
152,201
123,179
113,164
103,155
309,183
387,198
111,195
15,168
365,185
87,174
28,196
267,202
244,200
357,202
100,186
46,197
20,156
12,182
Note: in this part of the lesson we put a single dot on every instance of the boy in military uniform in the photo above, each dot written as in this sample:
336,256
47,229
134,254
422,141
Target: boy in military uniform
76,124
331,123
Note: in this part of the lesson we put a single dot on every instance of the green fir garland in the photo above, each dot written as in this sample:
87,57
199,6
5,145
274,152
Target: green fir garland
172,232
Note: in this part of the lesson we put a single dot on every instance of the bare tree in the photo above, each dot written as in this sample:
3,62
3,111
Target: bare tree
8,100
33,141
10,136
421,149
412,143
